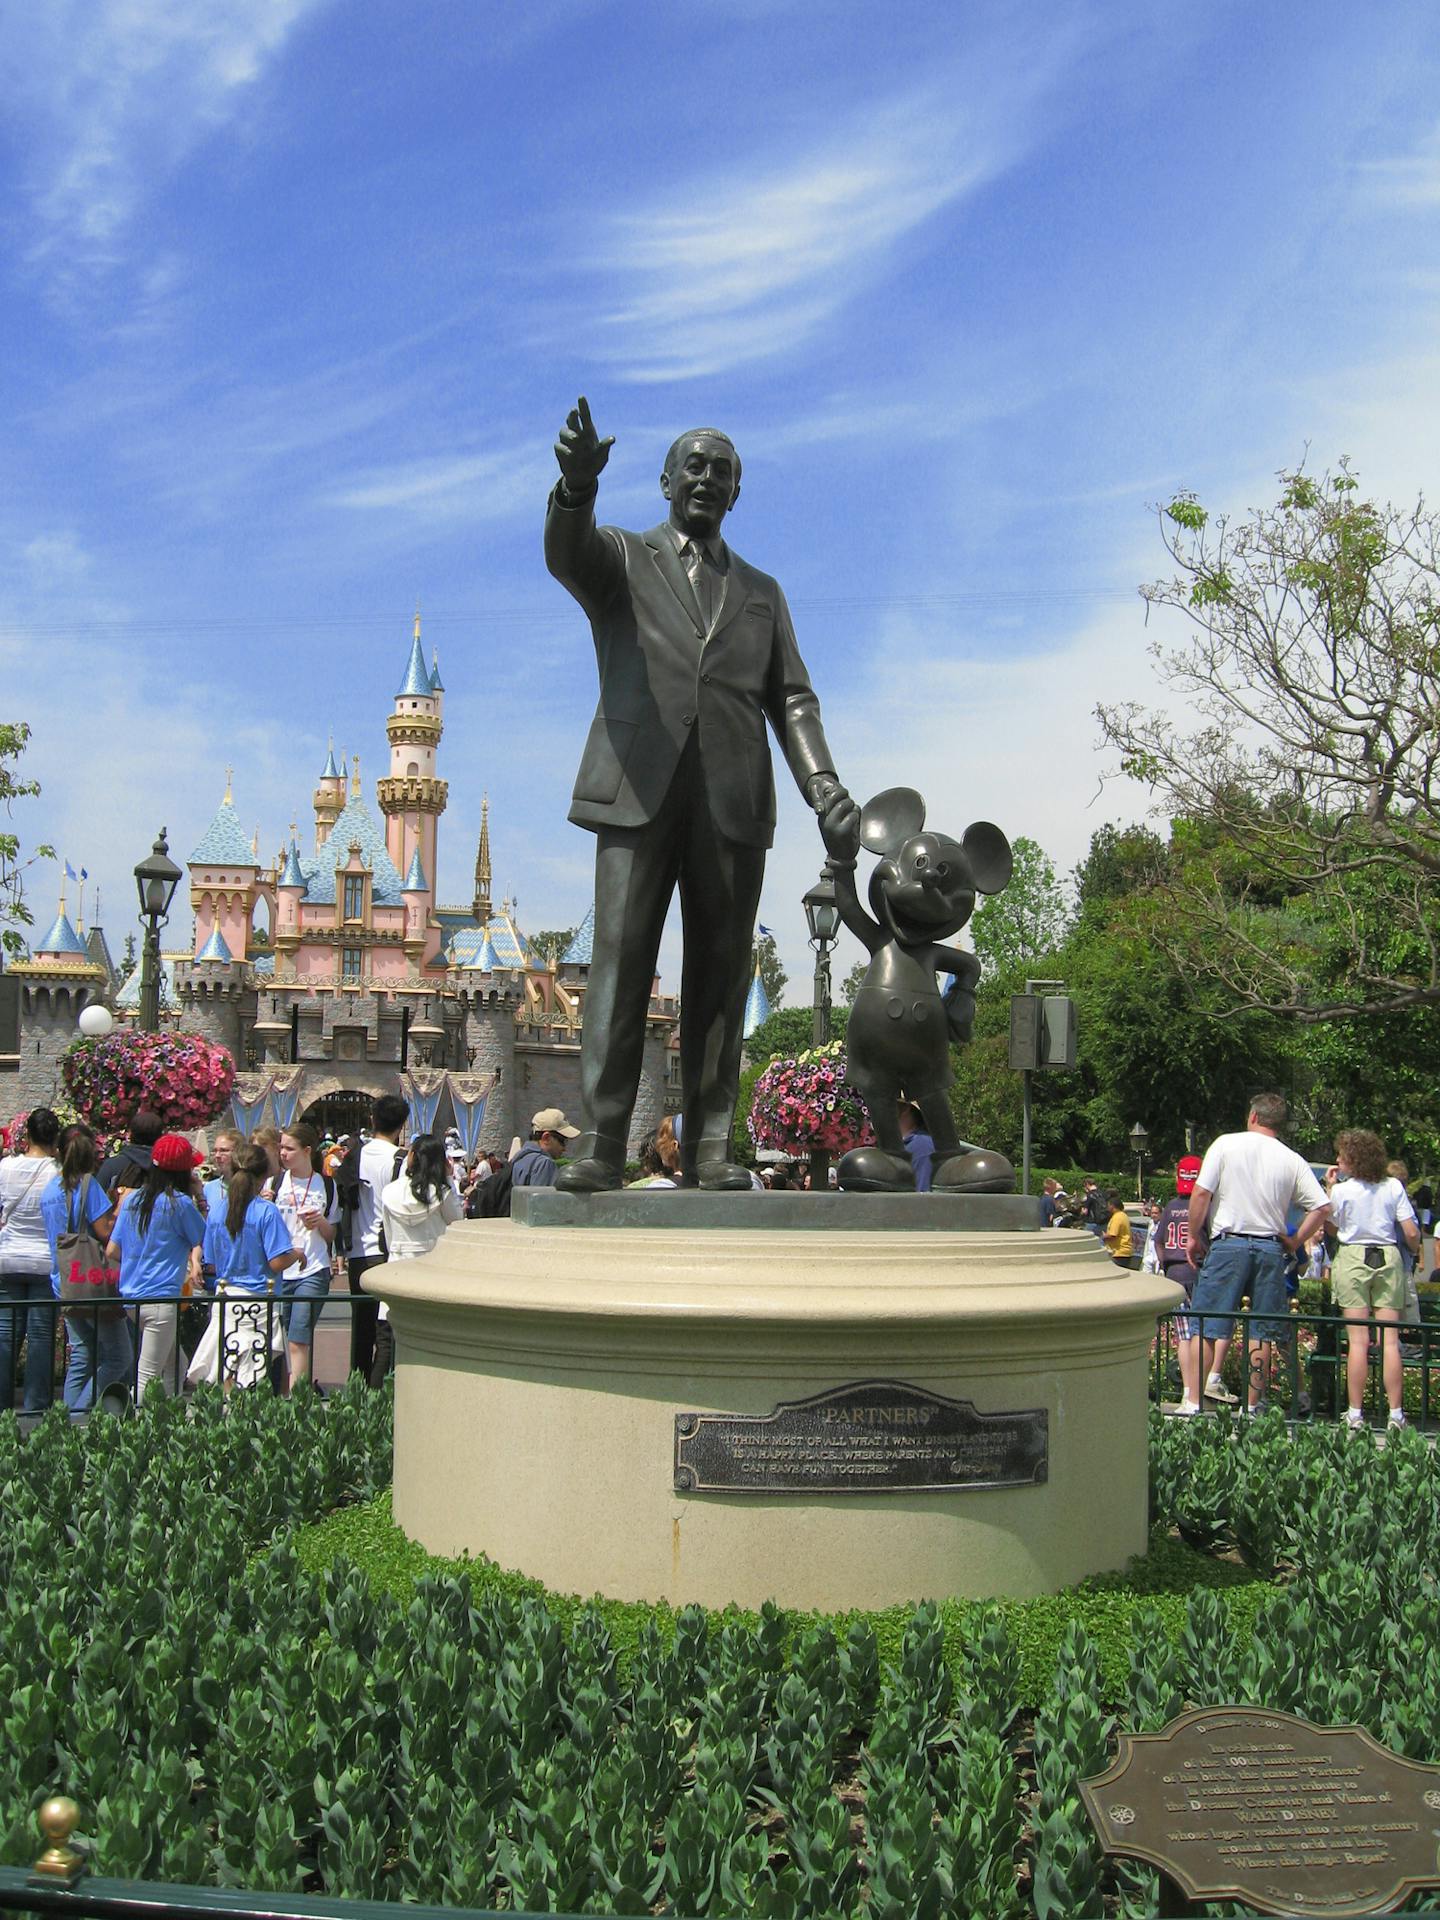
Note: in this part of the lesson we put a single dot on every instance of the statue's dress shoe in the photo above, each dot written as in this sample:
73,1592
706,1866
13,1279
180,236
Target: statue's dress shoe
588,1176
872,1170
721,1176
978,1171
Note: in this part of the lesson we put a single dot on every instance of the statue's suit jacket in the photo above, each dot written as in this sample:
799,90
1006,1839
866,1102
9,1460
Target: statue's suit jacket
663,677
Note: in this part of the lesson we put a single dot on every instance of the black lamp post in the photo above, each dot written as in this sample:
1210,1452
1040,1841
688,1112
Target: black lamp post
156,879
822,916
1139,1141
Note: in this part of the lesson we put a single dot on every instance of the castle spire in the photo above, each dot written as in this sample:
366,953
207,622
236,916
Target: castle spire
480,911
355,777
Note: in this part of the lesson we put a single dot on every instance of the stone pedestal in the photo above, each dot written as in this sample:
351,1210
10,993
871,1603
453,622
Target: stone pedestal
542,1363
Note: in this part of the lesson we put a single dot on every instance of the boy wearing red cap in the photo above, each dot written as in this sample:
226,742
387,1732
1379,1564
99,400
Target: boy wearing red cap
1172,1250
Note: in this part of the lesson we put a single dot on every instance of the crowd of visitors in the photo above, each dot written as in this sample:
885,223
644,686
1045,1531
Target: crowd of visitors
97,1256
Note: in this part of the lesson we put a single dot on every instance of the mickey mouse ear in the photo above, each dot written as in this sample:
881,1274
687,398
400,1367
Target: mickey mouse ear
988,852
889,820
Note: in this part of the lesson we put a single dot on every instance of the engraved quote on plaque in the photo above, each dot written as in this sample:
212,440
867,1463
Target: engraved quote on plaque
870,1436
1243,1804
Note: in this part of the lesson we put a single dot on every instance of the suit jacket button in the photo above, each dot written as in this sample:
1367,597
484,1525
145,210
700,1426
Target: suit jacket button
706,678
687,719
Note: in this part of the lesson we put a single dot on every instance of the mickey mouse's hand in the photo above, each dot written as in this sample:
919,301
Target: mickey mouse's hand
839,816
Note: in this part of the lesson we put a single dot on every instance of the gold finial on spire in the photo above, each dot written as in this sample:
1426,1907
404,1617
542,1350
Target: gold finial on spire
417,616
355,777
229,797
294,828
481,908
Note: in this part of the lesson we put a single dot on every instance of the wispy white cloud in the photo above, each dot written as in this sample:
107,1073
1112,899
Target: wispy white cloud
108,96
726,270
450,486
1409,179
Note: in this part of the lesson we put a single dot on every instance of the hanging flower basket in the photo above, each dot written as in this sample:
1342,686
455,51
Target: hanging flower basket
807,1103
183,1078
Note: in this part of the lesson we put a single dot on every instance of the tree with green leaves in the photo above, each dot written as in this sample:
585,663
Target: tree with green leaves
1305,776
1024,927
789,1031
853,981
547,947
772,975
14,913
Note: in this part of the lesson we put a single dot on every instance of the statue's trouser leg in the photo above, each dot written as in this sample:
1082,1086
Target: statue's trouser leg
635,873
719,896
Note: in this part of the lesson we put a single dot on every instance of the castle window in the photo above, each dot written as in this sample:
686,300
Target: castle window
354,896
350,965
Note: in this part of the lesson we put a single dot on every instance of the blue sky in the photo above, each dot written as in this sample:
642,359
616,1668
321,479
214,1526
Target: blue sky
296,294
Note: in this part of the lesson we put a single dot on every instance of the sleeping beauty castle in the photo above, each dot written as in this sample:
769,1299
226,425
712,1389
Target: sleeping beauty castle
333,973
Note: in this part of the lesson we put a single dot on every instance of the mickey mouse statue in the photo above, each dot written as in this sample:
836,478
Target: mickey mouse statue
898,1040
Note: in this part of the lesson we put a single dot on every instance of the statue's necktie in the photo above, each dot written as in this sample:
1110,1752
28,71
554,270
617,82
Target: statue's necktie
702,579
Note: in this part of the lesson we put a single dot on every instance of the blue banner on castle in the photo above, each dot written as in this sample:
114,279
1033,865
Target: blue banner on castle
469,1093
247,1101
285,1097
424,1105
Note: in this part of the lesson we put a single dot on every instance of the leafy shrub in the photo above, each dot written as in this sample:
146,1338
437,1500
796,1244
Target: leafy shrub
238,1702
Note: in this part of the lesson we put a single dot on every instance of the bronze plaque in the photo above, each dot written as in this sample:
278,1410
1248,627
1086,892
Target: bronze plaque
872,1436
1238,1803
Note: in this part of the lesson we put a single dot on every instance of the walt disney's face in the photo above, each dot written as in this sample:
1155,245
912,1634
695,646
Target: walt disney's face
928,887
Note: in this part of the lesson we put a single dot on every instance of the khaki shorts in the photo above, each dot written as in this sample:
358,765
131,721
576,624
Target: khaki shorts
1362,1289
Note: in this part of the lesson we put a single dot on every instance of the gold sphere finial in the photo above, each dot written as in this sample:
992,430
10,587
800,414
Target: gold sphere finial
58,1820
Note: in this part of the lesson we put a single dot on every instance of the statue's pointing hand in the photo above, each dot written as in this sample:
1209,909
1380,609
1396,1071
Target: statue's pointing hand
580,450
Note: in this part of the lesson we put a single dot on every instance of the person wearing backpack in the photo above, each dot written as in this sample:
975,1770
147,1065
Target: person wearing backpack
310,1207
78,1220
363,1176
25,1265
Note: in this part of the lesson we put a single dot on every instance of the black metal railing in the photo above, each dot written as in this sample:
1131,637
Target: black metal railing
1297,1362
106,1353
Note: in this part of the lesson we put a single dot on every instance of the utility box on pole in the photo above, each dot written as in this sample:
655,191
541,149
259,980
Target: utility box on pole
1057,1032
1042,1039
1024,1032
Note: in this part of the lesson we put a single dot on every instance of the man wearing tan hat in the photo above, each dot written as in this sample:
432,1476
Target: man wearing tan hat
550,1135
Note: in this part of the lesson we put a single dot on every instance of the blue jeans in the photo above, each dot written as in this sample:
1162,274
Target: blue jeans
101,1353
302,1294
31,1319
1237,1265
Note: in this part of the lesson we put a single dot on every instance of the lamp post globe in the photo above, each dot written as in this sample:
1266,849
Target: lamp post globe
96,1021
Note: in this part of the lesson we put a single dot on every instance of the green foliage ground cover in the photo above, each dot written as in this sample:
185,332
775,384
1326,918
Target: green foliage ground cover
237,1699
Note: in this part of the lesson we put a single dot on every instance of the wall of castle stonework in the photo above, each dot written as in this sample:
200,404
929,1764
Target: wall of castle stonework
546,1076
37,1083
48,1028
490,1030
215,1017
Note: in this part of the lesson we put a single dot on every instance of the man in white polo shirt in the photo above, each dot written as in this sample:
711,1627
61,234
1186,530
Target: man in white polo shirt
1248,1186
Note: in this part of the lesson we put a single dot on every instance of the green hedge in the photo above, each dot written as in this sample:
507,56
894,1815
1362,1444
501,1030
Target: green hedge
238,1700
367,1538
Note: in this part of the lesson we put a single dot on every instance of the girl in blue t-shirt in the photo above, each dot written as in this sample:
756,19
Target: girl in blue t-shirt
246,1248
156,1239
100,1348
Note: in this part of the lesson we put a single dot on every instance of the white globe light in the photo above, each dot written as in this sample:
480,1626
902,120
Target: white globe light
96,1021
